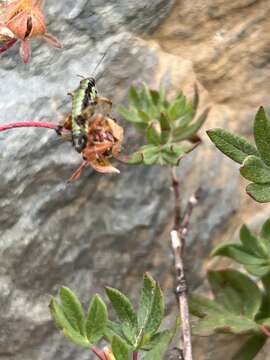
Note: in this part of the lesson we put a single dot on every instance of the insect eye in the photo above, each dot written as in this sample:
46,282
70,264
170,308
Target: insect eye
92,82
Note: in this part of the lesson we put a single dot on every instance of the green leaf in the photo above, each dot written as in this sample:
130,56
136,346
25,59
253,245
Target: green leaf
259,192
72,309
257,270
120,349
252,243
196,100
177,108
160,346
234,146
238,253
152,134
266,284
133,98
147,154
265,231
144,117
172,154
150,154
201,306
250,348
77,338
162,96
122,307
58,315
146,300
96,320
254,264
62,323
232,290
262,135
134,159
130,334
155,97
165,127
128,115
112,329
226,323
254,169
182,133
147,101
156,313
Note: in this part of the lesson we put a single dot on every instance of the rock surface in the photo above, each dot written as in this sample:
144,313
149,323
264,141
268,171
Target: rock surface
108,230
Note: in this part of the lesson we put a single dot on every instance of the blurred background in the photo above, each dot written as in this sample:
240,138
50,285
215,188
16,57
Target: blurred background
109,229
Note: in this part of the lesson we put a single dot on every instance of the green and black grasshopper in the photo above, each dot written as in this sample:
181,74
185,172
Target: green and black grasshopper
85,99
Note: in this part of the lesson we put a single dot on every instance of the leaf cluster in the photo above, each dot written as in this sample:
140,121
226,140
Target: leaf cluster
169,127
133,332
241,304
254,160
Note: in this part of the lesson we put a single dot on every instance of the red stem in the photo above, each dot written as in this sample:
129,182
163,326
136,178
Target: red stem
265,330
28,124
135,356
99,353
8,45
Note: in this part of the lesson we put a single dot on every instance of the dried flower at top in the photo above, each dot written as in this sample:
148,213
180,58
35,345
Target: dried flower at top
23,20
105,137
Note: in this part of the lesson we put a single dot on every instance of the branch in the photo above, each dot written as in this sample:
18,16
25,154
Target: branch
5,127
178,245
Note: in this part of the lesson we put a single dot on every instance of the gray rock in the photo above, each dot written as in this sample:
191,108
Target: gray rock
103,230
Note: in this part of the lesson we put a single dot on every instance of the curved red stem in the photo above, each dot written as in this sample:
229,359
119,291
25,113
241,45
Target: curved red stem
5,127
7,46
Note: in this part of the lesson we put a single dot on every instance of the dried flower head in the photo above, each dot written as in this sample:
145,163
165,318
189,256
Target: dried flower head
23,20
105,137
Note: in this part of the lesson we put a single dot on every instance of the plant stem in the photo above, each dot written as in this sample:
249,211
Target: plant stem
265,330
99,353
135,355
178,245
7,46
27,124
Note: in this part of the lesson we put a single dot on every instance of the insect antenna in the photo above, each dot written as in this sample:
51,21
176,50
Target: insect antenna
101,60
80,76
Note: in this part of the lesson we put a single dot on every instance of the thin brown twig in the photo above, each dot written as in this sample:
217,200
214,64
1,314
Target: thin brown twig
178,234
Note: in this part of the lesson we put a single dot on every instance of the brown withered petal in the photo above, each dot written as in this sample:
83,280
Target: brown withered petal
25,51
103,166
92,151
5,33
105,137
12,9
52,41
18,25
116,130
75,176
25,19
37,23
